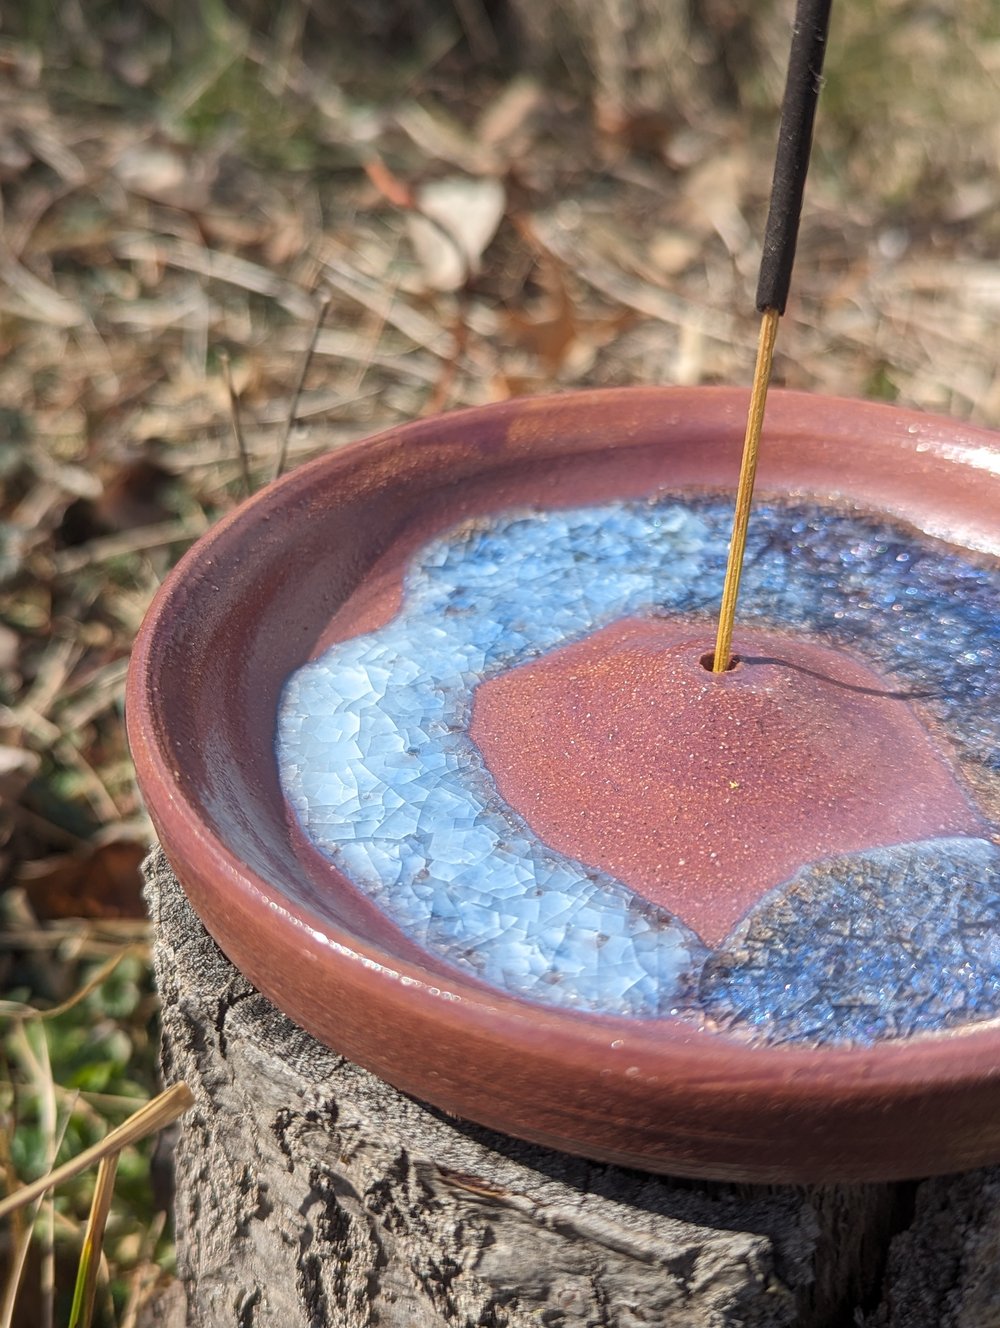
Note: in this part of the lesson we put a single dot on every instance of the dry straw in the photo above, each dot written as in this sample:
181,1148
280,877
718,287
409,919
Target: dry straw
156,1114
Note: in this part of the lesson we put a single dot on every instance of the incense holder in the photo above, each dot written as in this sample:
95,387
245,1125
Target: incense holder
476,812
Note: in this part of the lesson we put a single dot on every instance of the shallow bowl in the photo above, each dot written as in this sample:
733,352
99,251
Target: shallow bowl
253,600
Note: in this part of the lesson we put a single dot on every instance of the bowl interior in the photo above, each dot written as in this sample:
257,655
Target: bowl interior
262,593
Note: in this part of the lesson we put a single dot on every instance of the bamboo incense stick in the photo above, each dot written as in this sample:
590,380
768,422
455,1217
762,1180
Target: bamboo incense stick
791,165
744,490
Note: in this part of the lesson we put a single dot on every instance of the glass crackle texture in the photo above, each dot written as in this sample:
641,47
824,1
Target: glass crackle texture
375,758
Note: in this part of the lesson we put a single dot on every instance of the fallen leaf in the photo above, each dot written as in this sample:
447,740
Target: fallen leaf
99,882
164,175
672,251
132,496
456,219
390,186
645,133
549,328
554,330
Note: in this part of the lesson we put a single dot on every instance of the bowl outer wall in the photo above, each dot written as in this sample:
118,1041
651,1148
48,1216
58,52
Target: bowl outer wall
248,603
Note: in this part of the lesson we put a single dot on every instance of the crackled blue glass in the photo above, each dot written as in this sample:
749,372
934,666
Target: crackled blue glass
375,758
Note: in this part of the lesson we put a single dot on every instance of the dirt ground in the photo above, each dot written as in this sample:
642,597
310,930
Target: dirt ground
219,255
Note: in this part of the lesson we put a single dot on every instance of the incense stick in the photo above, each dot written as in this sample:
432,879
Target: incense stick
791,165
721,657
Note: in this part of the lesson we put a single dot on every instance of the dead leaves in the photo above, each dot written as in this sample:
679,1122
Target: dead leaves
450,221
18,768
132,494
548,320
554,327
163,174
451,224
99,881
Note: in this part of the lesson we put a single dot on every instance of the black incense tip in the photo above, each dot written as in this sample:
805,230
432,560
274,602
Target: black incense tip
798,110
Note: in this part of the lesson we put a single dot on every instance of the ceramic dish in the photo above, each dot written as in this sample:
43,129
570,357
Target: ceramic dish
724,1074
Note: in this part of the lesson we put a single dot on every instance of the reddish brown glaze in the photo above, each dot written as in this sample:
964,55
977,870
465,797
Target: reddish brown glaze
703,790
250,602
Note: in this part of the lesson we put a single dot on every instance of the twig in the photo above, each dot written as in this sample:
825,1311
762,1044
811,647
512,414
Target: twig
478,29
402,196
344,345
229,46
70,561
234,415
367,354
634,293
40,303
19,1010
40,1070
92,939
54,670
97,792
15,1269
293,405
101,690
321,401
217,266
420,330
441,395
55,834
23,1235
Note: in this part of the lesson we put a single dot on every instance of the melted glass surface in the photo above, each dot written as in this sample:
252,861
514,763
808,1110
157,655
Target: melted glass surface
375,758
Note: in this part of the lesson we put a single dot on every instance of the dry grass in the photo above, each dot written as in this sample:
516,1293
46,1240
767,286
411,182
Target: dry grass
180,203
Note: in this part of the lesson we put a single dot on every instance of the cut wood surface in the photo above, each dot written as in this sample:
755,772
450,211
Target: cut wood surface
310,1194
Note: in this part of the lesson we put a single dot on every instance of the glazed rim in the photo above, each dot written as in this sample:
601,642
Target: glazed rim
654,1094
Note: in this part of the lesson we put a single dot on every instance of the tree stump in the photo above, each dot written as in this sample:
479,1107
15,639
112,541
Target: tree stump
310,1194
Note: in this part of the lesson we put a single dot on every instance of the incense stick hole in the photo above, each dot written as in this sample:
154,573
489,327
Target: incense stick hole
707,661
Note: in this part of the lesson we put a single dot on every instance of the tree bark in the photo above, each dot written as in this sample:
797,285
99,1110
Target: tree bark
309,1194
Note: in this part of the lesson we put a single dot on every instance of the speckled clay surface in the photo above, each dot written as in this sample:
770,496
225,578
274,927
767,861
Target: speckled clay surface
705,791
321,557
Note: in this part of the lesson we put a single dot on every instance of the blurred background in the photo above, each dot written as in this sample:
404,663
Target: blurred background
236,231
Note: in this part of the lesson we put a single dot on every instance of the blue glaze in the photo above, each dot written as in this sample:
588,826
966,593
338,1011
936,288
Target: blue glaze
867,946
375,757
